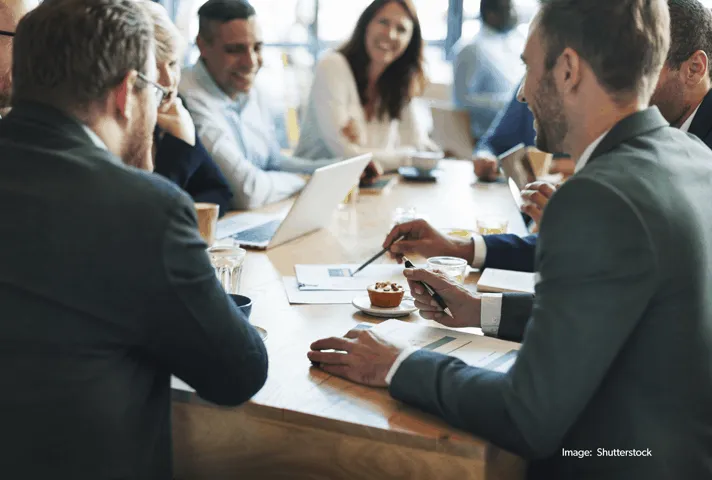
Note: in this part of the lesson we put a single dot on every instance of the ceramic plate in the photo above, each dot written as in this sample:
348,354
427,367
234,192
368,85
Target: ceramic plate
364,304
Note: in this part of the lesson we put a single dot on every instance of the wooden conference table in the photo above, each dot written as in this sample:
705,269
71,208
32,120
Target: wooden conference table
307,424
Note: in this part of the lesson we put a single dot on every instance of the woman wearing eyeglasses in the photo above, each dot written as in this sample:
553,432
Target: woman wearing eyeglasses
177,152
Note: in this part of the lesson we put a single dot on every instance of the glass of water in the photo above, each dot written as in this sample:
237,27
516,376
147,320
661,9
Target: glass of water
453,267
227,261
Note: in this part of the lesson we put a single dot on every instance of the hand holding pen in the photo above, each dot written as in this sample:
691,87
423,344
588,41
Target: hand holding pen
449,303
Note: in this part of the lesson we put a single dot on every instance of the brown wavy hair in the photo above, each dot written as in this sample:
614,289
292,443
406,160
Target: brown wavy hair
401,80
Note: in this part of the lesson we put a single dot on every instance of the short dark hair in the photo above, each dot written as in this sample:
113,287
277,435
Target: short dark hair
403,79
690,31
504,10
624,41
222,11
71,53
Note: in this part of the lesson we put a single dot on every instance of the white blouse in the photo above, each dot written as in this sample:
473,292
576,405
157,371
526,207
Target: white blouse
334,102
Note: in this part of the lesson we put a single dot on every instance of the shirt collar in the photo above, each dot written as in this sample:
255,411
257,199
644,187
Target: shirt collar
95,139
206,81
586,155
685,127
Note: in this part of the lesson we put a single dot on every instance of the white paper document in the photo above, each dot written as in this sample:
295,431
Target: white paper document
475,350
338,277
315,297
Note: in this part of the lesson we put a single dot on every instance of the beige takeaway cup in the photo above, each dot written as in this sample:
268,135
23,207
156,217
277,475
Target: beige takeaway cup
207,220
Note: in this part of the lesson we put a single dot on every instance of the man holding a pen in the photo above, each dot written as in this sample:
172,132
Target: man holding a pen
616,354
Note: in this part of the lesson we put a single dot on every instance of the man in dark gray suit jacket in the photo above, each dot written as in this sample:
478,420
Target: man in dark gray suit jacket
105,286
613,378
684,97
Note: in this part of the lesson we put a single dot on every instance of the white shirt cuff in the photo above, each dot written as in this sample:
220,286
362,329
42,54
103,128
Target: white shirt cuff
407,352
491,313
480,251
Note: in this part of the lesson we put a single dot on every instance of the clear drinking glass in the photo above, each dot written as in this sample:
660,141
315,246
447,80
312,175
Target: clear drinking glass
453,267
492,225
403,215
227,261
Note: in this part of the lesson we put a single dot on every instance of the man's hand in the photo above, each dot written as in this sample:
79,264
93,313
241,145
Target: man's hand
365,359
464,306
174,118
564,166
486,167
535,196
422,239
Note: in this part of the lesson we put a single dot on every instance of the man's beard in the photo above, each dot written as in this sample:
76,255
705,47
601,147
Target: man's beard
5,91
138,152
669,99
552,126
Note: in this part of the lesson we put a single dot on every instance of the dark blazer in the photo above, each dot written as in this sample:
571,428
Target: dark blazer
105,290
510,252
617,352
192,169
701,126
513,253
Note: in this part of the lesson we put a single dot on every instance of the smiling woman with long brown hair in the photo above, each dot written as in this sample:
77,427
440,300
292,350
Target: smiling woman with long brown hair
361,99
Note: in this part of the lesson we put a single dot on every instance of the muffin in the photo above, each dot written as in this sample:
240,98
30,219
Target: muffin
386,294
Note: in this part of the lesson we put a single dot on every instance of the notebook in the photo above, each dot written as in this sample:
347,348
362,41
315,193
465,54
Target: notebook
494,280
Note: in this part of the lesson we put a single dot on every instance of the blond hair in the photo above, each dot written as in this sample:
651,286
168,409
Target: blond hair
169,42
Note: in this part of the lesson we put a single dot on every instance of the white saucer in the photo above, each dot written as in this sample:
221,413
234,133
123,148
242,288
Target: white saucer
364,304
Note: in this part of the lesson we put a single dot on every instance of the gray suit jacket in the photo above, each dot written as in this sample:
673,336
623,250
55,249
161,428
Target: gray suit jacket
617,352
105,290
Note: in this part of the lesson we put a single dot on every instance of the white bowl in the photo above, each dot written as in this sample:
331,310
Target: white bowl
426,160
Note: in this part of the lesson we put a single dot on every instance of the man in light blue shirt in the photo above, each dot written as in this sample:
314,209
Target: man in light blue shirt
487,68
231,115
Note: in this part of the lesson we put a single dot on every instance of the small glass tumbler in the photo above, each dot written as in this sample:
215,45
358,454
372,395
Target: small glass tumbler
403,215
492,225
453,267
227,261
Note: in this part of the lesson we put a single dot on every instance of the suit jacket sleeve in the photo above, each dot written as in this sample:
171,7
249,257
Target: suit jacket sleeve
510,252
512,125
516,311
191,168
598,270
197,332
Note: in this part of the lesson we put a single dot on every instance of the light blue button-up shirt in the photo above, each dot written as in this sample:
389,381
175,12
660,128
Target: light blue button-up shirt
240,136
486,70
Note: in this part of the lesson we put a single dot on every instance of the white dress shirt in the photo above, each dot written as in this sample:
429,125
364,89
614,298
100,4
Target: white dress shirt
334,102
240,136
491,305
685,127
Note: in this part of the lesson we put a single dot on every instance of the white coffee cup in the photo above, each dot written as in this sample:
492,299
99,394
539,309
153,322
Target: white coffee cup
426,160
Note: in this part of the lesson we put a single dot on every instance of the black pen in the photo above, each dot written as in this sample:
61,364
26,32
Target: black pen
429,289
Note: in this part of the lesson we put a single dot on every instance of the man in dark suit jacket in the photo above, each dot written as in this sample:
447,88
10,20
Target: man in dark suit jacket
613,378
105,286
684,97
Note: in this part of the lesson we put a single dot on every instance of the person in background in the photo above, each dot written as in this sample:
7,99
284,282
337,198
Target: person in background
589,395
231,118
105,286
362,97
488,67
514,124
11,11
178,154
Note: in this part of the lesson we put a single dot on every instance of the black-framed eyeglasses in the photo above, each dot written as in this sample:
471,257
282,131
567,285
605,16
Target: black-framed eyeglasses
5,33
162,93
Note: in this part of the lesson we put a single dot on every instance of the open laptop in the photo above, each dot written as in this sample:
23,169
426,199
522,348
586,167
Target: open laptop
451,130
311,211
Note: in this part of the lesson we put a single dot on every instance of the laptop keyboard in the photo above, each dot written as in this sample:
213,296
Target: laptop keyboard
258,234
